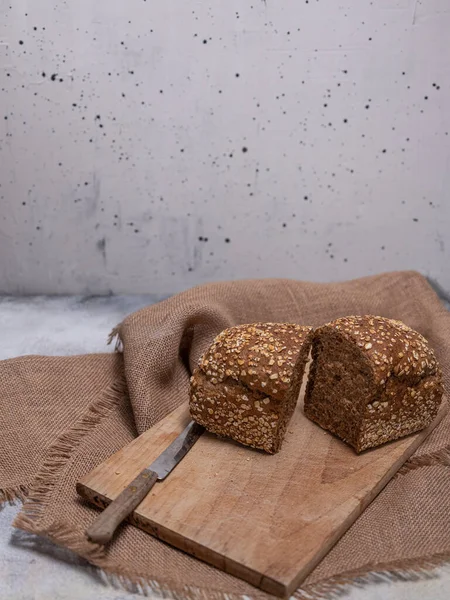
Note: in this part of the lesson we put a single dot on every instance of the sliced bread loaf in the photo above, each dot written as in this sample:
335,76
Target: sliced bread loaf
372,380
247,384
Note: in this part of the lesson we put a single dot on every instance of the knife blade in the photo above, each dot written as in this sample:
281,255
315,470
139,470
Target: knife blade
102,529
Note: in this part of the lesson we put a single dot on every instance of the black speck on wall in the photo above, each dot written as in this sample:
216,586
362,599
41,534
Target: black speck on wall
101,247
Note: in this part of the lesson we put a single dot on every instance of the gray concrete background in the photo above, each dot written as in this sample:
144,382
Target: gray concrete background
31,568
155,146
137,137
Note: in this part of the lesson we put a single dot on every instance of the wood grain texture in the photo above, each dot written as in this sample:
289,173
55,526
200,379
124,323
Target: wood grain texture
103,528
268,519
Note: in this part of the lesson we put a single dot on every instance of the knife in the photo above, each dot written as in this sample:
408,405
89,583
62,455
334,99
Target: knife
103,528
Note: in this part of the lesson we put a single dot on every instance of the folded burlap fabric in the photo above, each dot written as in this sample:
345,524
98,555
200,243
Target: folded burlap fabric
60,417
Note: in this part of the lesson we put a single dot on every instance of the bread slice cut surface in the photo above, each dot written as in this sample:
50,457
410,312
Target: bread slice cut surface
372,380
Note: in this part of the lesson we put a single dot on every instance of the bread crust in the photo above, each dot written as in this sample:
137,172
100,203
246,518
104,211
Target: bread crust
395,387
247,383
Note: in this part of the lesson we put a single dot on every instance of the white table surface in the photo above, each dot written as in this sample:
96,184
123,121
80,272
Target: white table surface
31,568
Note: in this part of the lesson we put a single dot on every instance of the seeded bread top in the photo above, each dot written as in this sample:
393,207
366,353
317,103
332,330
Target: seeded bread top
391,346
262,356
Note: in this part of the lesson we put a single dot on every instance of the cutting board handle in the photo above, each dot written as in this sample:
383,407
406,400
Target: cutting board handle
102,529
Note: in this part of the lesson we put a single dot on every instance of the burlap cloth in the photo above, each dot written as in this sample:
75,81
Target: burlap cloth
60,417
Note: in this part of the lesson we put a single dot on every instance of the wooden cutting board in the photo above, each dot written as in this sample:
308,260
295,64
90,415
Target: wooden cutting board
266,519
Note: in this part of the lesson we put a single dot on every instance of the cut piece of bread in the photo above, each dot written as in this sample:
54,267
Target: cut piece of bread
247,384
372,380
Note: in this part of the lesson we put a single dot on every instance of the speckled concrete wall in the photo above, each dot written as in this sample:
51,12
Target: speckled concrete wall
151,146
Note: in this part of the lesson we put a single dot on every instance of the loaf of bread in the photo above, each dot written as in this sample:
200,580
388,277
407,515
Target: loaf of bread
372,380
247,384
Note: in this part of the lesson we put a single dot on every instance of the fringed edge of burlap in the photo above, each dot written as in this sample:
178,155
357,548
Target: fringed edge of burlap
329,589
111,573
61,452
115,335
13,495
408,569
414,569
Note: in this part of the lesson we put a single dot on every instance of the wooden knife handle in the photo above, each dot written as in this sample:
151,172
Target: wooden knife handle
102,529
